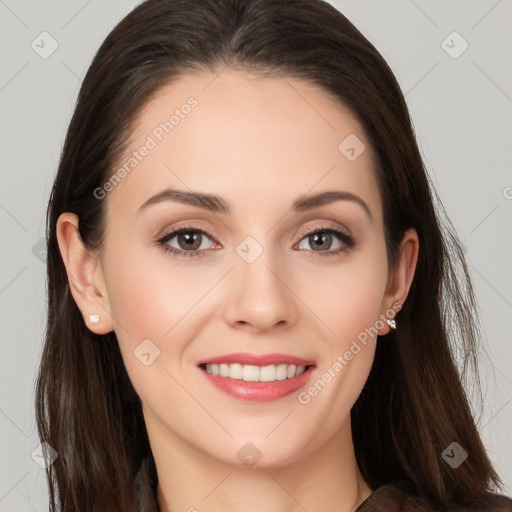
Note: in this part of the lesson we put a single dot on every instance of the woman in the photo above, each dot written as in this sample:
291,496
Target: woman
252,301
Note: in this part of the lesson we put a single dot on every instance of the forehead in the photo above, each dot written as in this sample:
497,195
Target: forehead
239,133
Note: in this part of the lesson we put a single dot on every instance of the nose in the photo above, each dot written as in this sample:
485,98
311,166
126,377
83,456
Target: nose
259,296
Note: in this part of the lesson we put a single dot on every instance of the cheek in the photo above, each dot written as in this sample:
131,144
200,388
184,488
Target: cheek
348,304
148,304
347,299
157,310
149,297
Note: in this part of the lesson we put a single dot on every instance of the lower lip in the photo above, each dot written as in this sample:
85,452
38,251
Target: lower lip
259,391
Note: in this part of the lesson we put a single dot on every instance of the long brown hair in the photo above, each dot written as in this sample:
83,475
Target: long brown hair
414,403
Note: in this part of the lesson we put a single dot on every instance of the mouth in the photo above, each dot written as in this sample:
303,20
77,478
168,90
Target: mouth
253,373
257,378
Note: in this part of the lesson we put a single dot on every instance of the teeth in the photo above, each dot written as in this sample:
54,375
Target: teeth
281,372
291,371
251,373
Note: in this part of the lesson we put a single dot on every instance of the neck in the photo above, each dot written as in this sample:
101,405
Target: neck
327,479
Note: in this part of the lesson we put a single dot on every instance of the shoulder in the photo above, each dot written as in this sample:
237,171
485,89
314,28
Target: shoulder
398,496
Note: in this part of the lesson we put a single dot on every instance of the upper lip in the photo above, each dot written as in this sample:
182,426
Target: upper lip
257,359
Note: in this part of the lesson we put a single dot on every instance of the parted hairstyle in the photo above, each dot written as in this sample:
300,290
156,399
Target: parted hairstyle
416,401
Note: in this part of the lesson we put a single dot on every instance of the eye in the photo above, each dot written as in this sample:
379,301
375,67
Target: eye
320,239
190,241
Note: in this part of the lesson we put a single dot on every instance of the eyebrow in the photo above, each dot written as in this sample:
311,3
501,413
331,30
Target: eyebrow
216,204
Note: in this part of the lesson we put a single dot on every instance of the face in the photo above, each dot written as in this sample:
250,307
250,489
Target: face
258,276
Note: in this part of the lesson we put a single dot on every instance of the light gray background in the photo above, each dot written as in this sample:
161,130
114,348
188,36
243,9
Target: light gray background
461,109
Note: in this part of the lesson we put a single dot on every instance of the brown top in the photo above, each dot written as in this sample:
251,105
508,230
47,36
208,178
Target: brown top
396,496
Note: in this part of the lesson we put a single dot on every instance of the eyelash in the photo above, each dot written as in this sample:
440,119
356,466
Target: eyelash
347,240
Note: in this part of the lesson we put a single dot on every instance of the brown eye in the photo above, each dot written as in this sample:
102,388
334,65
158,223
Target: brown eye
321,241
189,241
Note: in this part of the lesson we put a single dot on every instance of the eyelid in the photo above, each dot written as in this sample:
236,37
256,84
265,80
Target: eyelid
315,228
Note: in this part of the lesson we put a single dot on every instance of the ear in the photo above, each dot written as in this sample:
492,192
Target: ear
85,275
400,280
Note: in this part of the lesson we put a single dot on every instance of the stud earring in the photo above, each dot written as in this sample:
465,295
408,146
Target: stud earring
391,323
94,319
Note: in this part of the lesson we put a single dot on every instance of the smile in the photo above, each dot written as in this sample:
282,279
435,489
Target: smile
257,378
251,373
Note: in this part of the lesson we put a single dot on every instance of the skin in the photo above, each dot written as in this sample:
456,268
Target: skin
260,143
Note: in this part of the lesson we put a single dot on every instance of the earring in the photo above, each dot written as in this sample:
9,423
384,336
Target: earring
391,323
94,319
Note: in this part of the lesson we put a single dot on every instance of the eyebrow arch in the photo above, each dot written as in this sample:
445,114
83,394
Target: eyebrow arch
216,204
